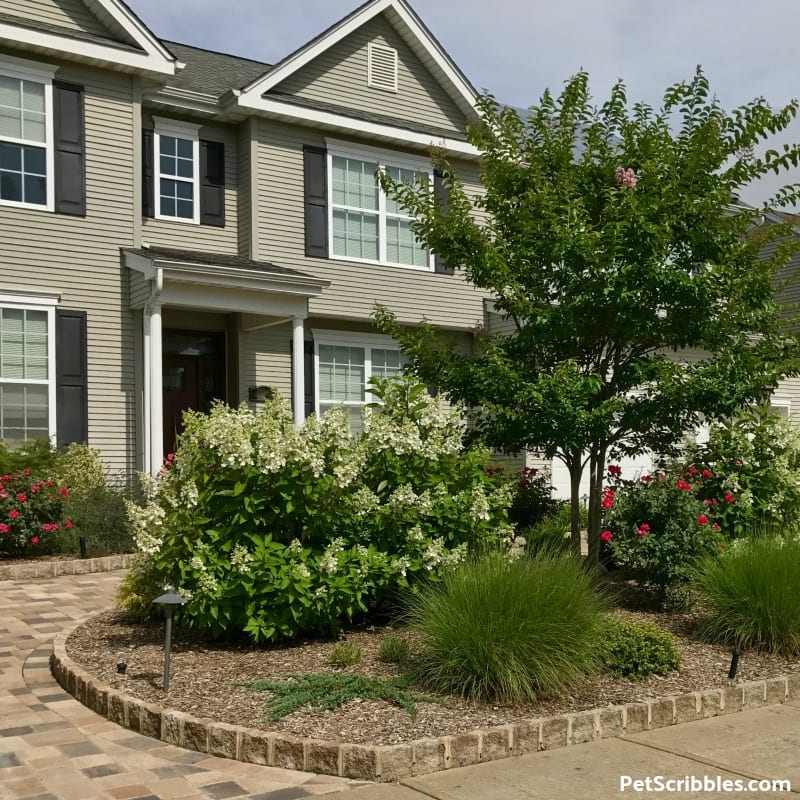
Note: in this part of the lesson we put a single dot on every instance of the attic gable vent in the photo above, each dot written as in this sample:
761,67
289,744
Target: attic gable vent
382,67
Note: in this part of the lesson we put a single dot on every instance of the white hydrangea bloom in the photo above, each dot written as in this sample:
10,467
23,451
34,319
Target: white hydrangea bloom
434,554
479,508
415,534
329,563
365,501
401,565
402,497
242,559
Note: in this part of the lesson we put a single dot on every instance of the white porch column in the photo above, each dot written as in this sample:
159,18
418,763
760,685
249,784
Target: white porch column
156,391
146,427
298,371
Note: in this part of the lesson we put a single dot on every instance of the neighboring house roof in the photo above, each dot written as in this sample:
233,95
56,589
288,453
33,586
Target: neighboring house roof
58,30
213,73
379,119
410,27
197,258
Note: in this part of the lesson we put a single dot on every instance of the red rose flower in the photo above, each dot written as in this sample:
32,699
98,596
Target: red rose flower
22,497
644,529
27,471
4,528
716,526
707,474
646,478
68,524
693,470
687,487
615,470
34,540
730,498
14,514
702,519
708,502
64,491
606,536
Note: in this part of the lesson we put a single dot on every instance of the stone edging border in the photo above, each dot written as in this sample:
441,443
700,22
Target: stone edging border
25,570
386,763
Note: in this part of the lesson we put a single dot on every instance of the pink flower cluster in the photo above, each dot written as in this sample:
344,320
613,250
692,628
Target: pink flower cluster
625,177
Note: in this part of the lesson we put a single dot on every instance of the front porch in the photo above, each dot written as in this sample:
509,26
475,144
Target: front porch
195,310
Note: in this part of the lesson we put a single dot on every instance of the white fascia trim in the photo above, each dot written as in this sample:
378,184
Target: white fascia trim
28,70
442,61
143,62
136,29
182,100
353,338
361,127
344,29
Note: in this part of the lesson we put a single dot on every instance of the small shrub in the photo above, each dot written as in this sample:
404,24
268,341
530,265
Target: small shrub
32,514
328,691
505,630
636,650
532,500
344,654
752,595
140,586
552,532
659,528
393,649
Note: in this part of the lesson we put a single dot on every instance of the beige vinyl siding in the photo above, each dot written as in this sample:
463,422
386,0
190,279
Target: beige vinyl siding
446,300
70,14
80,258
339,76
265,359
205,238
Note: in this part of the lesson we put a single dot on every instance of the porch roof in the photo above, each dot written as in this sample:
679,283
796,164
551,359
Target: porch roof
221,270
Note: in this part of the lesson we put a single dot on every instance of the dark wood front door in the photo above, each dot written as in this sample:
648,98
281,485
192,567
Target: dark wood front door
194,377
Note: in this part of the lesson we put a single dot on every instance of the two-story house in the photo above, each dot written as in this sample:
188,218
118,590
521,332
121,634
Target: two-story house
179,226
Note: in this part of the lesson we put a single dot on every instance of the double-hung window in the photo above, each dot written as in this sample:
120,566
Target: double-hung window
27,369
365,224
177,151
26,137
344,364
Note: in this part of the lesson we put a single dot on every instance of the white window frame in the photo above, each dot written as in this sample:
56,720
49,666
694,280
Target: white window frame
47,304
383,158
179,130
366,341
35,72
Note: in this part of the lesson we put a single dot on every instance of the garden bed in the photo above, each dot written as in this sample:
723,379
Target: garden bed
205,680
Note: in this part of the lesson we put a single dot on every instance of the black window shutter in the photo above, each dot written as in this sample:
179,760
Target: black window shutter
212,183
148,174
443,198
70,149
72,406
315,163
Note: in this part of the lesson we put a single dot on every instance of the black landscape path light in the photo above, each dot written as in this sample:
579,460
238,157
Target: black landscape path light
170,600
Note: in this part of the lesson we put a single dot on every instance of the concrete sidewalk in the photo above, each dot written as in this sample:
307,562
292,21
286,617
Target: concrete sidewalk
756,745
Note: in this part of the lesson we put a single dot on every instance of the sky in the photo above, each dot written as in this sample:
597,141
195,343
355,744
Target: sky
517,48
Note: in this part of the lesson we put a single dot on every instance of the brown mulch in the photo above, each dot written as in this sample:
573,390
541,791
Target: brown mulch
204,680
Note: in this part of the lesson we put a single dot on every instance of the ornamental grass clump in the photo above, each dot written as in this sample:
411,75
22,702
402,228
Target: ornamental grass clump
752,595
507,631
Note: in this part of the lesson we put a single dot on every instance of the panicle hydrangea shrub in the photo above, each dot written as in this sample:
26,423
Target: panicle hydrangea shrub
274,531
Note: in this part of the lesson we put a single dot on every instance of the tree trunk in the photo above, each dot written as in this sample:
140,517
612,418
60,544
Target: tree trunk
597,471
575,467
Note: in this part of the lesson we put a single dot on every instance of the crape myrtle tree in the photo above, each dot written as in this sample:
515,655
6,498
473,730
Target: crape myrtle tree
612,237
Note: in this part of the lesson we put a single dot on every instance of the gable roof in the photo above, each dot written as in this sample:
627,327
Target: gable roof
135,49
213,73
410,27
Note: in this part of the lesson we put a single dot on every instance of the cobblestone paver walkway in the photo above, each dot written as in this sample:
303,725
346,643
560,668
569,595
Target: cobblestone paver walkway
53,748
